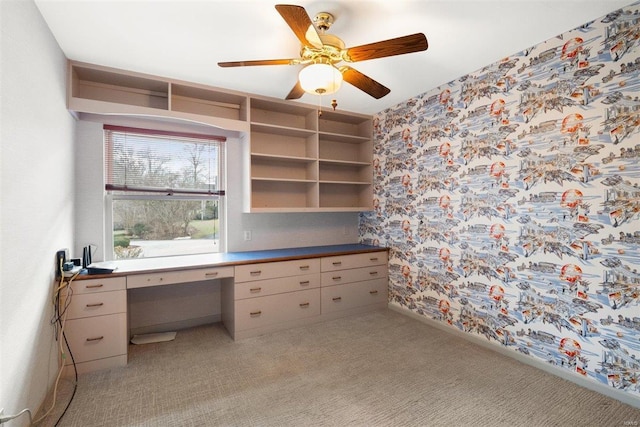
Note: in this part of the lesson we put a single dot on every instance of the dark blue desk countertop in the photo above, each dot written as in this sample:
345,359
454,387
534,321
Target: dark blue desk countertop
222,259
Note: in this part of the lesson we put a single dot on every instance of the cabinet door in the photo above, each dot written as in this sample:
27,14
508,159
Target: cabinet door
260,288
171,277
271,270
99,285
267,311
95,304
330,278
352,295
97,337
342,262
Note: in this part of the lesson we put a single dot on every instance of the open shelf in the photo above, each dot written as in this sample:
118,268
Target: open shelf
111,87
290,144
102,90
346,196
208,102
283,195
295,159
282,114
279,168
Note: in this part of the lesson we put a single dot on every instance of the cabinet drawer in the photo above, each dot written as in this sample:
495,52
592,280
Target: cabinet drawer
271,270
342,262
99,285
337,277
182,276
266,311
97,337
95,304
351,295
260,288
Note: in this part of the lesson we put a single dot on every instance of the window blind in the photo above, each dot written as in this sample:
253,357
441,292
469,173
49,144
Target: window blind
148,161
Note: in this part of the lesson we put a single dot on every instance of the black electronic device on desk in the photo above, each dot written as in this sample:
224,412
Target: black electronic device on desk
101,268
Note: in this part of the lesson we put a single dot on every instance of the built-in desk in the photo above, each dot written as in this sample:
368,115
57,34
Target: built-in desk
262,291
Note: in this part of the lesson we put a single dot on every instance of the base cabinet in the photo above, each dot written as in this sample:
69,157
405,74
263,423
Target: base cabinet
351,296
272,296
96,325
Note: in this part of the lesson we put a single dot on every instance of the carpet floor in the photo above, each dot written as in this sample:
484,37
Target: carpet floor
376,369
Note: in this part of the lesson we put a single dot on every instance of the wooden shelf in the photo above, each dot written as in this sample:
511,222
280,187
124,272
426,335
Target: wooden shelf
102,90
295,160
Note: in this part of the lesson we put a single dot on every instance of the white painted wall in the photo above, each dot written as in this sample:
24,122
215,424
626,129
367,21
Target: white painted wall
36,201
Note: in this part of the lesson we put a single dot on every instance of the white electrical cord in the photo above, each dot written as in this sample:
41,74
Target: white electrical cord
64,284
5,418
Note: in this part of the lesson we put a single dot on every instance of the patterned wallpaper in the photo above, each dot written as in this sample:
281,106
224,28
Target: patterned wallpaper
510,200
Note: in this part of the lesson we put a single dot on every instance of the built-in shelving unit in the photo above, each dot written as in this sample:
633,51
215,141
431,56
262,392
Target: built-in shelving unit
314,163
101,90
296,160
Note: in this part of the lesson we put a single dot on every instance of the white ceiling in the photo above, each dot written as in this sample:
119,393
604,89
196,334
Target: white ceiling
186,39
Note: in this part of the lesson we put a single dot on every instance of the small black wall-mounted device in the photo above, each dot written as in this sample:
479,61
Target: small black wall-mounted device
61,257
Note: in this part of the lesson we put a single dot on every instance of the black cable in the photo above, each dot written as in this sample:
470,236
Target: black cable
58,323
75,384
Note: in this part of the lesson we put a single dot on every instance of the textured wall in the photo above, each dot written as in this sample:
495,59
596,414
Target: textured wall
510,199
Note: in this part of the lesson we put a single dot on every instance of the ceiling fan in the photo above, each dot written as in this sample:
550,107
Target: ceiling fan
321,54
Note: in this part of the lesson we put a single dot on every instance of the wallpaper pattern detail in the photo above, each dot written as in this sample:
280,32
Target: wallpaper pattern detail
510,200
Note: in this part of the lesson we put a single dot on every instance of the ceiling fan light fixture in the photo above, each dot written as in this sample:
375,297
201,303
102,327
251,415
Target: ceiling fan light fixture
320,79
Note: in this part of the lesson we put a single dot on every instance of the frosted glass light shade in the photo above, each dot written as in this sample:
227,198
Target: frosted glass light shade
320,79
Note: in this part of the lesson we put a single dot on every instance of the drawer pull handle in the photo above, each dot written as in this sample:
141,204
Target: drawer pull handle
337,298
373,292
304,267
373,273
98,304
373,259
255,289
95,339
337,277
99,285
337,263
212,274
255,273
305,283
304,304
255,313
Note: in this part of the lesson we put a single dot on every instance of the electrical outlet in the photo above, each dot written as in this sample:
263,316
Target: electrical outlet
247,235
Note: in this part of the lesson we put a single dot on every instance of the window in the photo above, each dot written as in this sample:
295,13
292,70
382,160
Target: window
166,192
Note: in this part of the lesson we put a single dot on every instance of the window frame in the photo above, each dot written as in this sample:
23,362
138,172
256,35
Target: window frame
138,194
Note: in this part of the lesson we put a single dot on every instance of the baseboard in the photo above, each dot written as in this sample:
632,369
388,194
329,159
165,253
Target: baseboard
175,326
583,382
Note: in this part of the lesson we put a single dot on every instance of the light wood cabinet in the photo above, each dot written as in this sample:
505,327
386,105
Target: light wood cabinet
271,296
295,160
96,325
354,283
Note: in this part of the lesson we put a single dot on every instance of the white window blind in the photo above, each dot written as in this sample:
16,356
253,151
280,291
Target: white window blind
171,163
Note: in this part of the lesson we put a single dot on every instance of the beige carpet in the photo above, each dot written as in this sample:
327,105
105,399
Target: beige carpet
377,369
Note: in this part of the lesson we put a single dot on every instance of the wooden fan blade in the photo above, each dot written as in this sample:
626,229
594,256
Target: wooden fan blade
364,83
398,46
296,92
298,19
258,62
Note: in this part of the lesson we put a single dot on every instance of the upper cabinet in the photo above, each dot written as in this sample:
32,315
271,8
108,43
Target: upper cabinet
296,160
